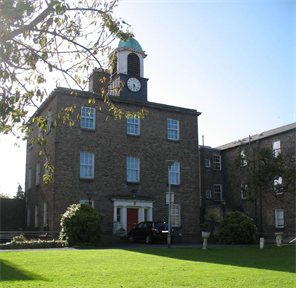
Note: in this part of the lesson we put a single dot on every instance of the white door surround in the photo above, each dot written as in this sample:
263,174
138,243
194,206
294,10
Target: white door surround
123,204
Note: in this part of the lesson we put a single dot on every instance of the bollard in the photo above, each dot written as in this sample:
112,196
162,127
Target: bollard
279,239
262,243
205,244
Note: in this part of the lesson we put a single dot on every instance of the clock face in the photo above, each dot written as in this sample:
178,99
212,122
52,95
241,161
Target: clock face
134,84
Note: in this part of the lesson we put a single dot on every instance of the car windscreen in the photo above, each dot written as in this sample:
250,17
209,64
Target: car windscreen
161,225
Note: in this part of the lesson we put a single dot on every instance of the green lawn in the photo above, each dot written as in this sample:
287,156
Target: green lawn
151,267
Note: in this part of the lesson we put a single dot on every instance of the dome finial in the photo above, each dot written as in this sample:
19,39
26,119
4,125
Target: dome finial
130,43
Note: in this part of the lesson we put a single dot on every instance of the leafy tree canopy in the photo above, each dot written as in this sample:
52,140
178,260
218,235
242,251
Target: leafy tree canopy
20,194
261,170
52,39
60,36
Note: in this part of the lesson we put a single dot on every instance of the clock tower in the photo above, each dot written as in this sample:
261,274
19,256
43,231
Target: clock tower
127,77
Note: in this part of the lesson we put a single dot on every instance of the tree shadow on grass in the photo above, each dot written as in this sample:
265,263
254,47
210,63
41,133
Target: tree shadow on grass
271,258
10,272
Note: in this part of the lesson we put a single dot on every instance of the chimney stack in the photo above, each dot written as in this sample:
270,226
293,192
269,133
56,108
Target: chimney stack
99,79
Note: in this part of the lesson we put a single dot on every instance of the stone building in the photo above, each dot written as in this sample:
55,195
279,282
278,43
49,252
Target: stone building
273,212
121,164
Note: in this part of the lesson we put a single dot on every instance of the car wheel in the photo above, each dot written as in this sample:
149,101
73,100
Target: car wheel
131,239
148,239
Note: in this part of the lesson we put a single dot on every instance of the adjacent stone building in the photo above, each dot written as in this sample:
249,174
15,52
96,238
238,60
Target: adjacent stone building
272,212
120,163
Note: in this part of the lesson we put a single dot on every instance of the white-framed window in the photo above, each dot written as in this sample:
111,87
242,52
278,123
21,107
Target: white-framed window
132,169
175,215
173,129
92,203
276,147
175,173
30,178
87,165
88,115
208,163
243,158
133,126
244,189
28,217
278,188
217,162
217,192
208,194
279,218
45,216
48,128
36,216
38,173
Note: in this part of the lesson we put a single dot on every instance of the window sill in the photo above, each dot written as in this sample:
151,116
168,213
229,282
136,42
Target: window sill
87,179
174,140
133,135
278,194
133,182
88,129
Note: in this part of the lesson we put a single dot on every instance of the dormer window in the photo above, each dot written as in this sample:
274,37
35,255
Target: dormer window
133,64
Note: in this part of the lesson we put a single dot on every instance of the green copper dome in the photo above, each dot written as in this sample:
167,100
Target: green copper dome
130,43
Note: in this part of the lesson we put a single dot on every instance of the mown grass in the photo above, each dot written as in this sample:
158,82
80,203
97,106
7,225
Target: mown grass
151,267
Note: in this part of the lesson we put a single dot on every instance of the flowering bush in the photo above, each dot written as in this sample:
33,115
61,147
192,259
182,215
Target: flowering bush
33,244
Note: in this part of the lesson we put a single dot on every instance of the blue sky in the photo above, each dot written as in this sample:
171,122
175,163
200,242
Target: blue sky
234,61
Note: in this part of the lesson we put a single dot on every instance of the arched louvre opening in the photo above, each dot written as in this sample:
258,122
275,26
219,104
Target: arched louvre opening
133,64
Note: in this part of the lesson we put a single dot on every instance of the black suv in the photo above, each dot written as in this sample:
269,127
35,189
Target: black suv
150,231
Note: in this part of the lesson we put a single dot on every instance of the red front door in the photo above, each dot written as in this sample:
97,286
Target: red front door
132,218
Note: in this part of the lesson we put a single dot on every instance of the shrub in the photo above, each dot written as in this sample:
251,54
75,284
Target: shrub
81,225
237,228
212,223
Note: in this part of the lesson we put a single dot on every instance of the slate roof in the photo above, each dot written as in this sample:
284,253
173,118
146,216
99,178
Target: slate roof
258,136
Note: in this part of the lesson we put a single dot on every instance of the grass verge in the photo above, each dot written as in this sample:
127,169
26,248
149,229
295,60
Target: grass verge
151,267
